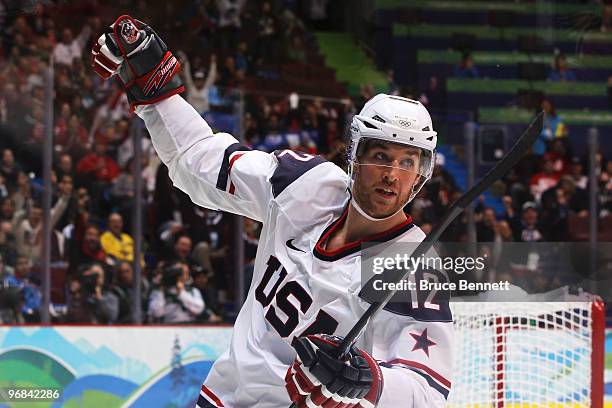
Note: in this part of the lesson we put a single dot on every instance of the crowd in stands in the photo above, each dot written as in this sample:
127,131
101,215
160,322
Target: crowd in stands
188,273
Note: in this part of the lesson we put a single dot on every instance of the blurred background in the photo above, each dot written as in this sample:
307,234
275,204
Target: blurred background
92,230
76,212
283,74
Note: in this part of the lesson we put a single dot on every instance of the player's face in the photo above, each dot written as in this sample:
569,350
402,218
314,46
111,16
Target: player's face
384,177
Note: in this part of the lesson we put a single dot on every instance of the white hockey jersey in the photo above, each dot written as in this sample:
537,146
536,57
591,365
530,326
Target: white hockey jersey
298,287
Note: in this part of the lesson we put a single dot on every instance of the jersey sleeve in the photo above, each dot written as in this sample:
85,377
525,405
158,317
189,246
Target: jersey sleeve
414,349
214,169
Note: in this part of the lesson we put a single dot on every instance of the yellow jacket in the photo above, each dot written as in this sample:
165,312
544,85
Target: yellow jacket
121,248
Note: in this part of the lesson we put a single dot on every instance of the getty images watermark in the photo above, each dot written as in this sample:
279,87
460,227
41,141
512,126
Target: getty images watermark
428,280
484,271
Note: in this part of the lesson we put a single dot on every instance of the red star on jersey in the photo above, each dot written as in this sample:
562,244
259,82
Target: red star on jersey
422,342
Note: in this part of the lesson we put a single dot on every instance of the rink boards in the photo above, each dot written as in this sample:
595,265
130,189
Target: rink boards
134,366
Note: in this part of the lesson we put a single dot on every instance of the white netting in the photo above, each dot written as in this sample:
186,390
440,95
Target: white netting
526,354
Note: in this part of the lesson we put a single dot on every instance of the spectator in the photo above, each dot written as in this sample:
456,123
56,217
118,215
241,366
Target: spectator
229,22
9,169
211,313
3,190
74,140
28,233
90,301
528,229
424,206
82,218
198,87
267,41
242,57
544,180
441,187
122,192
61,122
558,203
297,51
560,156
553,128
70,48
13,105
30,291
509,210
229,77
65,167
219,228
503,232
169,232
605,190
7,209
123,290
175,301
577,174
115,242
97,166
34,123
89,249
125,149
560,71
5,269
434,97
486,223
8,249
201,259
65,189
22,197
466,67
10,305
4,108
182,249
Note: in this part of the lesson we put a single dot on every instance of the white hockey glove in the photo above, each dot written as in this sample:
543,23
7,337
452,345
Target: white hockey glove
318,379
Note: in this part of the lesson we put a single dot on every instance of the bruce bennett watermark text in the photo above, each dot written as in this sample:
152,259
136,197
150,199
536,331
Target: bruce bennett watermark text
426,285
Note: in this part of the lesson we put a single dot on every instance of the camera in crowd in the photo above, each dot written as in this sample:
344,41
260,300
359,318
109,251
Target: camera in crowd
171,274
90,277
10,304
89,283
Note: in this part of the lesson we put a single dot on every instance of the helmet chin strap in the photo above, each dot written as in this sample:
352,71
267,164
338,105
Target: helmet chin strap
369,217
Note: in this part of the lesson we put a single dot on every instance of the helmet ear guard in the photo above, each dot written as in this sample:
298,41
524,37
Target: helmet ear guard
394,120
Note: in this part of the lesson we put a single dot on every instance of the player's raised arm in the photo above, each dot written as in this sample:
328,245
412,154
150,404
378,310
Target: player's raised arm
202,164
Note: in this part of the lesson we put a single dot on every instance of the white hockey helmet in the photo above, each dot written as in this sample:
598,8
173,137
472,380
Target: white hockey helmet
396,120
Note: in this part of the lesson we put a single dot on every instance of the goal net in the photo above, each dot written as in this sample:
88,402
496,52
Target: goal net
528,354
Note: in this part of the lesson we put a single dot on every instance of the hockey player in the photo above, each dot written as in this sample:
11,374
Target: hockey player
305,292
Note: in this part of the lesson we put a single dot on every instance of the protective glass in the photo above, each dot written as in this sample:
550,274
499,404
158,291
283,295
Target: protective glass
379,153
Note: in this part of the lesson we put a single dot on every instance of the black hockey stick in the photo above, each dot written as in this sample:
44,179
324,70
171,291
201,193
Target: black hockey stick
518,150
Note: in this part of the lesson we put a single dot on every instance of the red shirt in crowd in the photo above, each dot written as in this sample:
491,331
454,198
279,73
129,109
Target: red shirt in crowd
104,167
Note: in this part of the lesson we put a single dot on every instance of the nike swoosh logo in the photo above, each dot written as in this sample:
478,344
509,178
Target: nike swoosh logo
290,245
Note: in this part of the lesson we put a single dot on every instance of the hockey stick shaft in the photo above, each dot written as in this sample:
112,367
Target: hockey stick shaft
502,167
518,150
